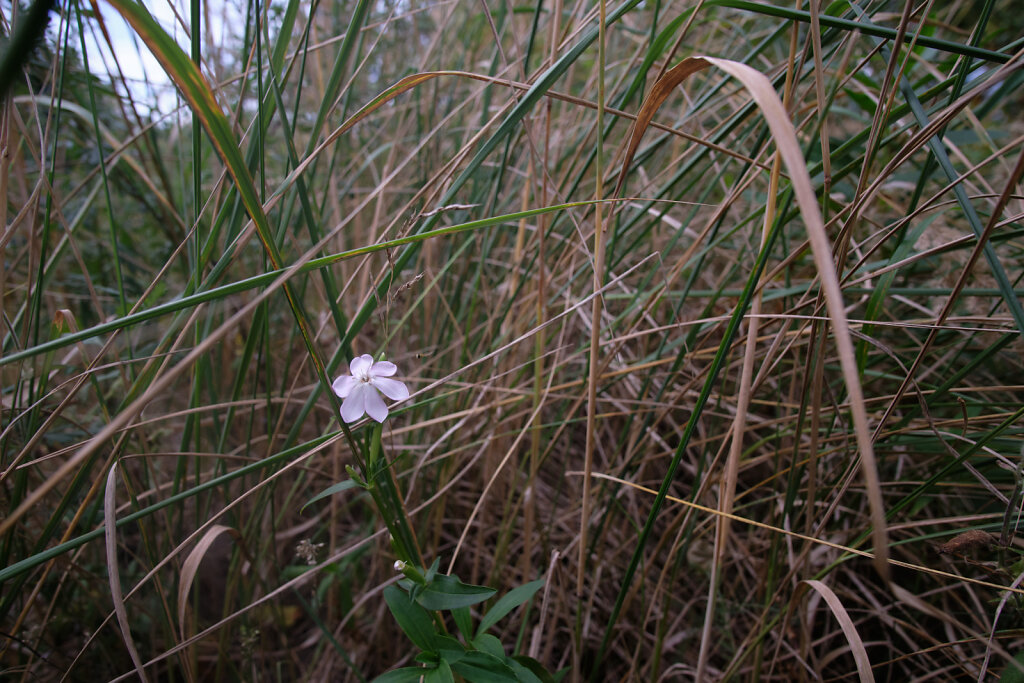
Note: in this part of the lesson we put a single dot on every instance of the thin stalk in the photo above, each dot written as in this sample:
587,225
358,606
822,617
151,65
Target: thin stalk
595,313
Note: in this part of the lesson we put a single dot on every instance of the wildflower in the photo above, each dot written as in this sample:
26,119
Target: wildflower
399,566
359,390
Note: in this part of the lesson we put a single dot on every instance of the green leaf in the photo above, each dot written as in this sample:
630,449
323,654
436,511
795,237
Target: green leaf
413,619
448,593
524,674
860,99
464,621
442,674
508,602
449,649
1014,671
480,667
532,667
331,490
407,674
489,644
432,572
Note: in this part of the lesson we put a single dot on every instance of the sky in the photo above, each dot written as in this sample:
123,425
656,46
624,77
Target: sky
149,85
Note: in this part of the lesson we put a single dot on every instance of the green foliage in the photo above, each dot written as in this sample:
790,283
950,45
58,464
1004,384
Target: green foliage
482,658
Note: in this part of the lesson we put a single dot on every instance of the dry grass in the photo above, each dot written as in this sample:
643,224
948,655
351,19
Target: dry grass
851,444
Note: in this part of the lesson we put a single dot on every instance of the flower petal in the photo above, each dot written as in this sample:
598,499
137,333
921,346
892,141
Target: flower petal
361,365
353,407
384,368
392,388
374,405
343,385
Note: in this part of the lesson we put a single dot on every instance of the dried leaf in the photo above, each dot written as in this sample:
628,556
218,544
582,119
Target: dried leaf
784,135
969,543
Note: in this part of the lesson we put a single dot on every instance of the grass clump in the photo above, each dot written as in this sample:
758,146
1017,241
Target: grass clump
710,318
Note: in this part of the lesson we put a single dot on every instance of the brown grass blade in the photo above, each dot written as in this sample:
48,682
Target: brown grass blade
860,653
191,567
110,535
764,95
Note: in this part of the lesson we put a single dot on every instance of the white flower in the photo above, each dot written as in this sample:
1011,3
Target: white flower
359,390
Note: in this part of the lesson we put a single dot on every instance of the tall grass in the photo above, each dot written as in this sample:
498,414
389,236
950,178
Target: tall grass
730,358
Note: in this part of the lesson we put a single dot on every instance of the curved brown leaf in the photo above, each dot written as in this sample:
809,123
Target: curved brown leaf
857,649
191,567
782,131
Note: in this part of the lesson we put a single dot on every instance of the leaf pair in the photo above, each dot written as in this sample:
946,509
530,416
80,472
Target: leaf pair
482,657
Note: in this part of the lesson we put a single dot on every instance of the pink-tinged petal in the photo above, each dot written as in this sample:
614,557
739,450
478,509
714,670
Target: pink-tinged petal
392,388
360,365
375,407
343,385
353,407
384,368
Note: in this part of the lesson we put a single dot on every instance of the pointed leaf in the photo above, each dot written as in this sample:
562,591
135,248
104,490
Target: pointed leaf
330,491
432,572
508,602
448,593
